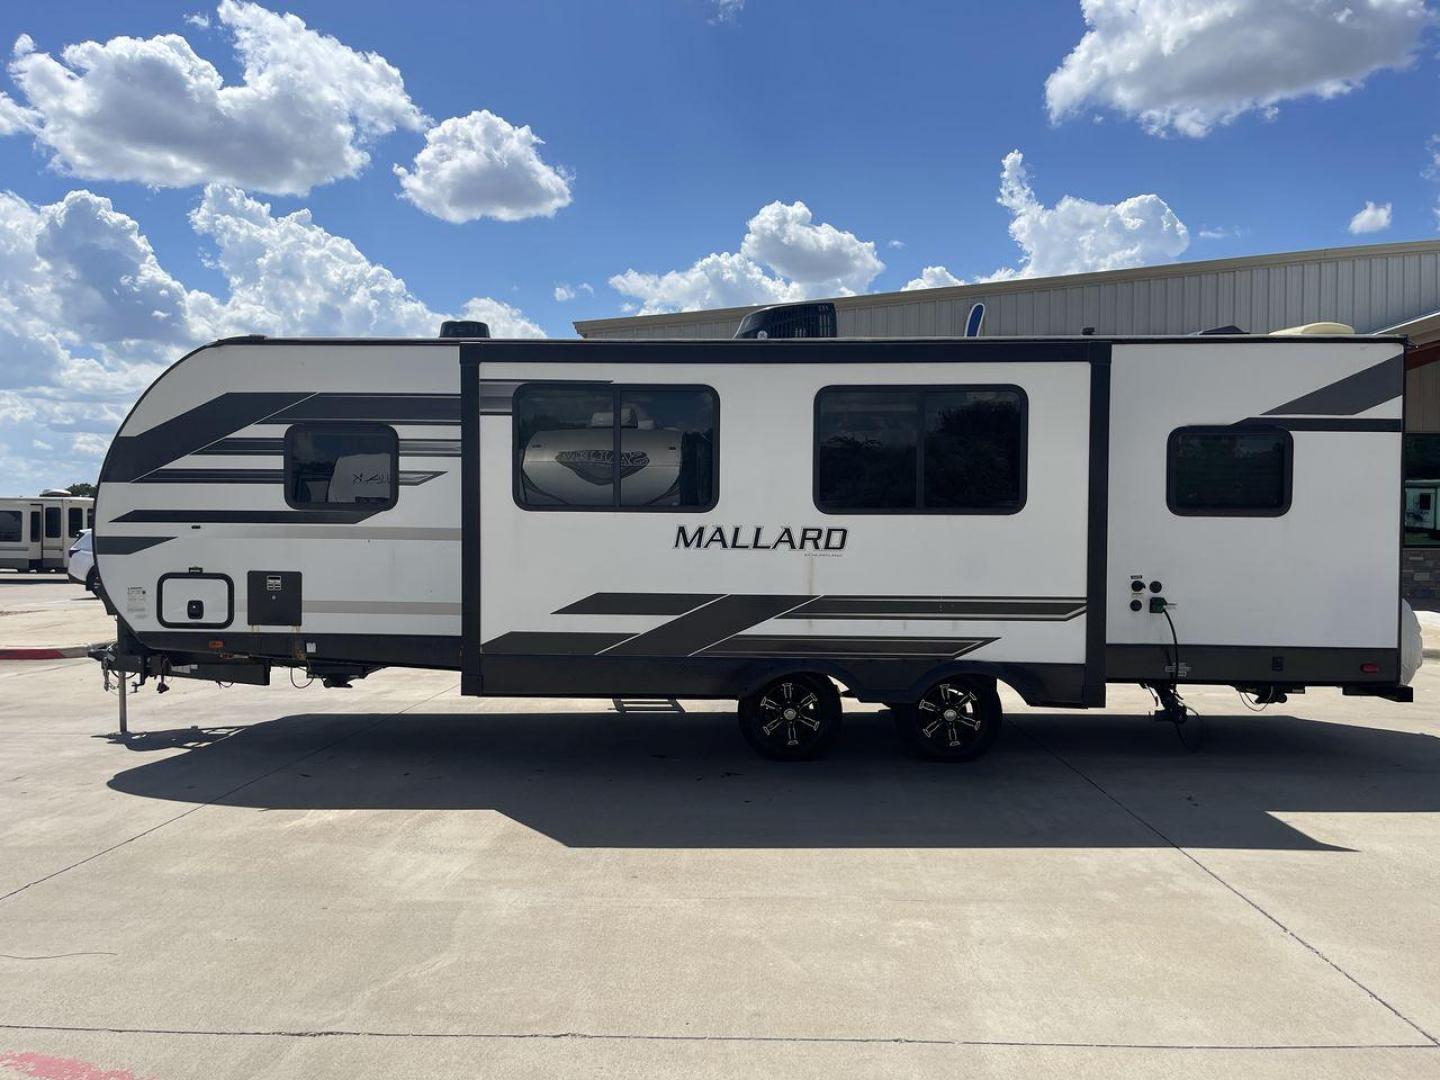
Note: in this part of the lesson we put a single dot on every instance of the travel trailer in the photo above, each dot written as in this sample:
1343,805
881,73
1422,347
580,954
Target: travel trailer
772,520
36,534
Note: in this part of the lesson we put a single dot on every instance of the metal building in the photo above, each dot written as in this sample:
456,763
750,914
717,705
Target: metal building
1370,288
1378,287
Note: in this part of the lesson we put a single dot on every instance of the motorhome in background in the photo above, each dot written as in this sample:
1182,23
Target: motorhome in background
763,519
36,533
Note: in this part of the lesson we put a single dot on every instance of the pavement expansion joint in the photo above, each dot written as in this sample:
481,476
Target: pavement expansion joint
595,1036
1431,1039
220,797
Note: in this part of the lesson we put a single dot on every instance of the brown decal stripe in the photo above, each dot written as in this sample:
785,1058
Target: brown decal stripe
527,643
408,478
611,603
838,647
940,607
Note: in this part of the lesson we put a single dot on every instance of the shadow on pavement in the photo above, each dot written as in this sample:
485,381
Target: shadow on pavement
687,781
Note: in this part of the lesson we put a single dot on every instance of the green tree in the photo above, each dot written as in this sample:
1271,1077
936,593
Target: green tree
87,490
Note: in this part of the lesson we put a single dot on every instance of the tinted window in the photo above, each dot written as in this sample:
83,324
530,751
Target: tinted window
89,517
77,520
34,524
1422,489
628,447
350,466
12,524
941,450
1217,471
52,522
974,450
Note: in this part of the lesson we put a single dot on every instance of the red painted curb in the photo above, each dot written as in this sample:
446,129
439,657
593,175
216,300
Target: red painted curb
63,652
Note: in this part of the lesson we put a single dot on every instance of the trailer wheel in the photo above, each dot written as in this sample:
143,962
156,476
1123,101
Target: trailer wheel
793,718
92,581
956,720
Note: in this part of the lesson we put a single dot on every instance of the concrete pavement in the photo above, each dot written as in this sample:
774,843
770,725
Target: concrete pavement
394,881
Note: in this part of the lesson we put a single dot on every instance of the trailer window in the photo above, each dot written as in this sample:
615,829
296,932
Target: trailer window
34,525
906,450
90,517
1227,471
615,447
52,522
347,466
12,524
77,520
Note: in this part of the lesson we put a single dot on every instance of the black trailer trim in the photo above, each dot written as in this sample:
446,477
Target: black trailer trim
471,677
126,545
1253,665
1097,540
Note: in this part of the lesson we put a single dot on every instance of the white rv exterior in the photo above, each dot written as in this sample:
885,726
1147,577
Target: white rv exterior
1243,493
36,534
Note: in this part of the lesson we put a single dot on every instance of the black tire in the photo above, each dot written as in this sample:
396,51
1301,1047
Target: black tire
956,720
792,718
92,582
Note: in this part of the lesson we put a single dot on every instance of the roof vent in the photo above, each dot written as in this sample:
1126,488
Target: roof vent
55,493
790,321
463,328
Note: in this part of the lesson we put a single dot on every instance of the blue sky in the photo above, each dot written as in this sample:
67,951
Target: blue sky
667,125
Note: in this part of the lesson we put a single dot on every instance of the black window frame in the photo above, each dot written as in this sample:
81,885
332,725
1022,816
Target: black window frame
616,390
342,427
920,390
1230,429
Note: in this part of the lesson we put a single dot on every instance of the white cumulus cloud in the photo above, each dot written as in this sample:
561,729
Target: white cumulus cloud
481,165
784,256
1186,66
932,277
1076,236
1371,218
89,316
153,111
824,258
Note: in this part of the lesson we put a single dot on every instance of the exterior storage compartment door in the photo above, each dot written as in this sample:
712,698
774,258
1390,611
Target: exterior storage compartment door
195,601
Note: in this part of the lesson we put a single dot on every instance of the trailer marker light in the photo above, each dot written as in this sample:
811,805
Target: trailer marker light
217,644
1370,669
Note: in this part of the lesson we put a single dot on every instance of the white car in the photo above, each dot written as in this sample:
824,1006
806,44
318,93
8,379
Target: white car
81,567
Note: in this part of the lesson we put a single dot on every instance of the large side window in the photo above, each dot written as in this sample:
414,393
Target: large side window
52,522
582,447
343,466
12,526
1228,471
908,450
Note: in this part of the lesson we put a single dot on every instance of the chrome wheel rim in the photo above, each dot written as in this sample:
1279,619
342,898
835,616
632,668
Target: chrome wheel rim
948,717
791,715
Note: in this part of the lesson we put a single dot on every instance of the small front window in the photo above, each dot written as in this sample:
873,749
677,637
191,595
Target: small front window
342,466
1230,471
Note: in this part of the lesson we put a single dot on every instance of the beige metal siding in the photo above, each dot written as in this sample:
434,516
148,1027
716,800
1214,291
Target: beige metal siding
1368,287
